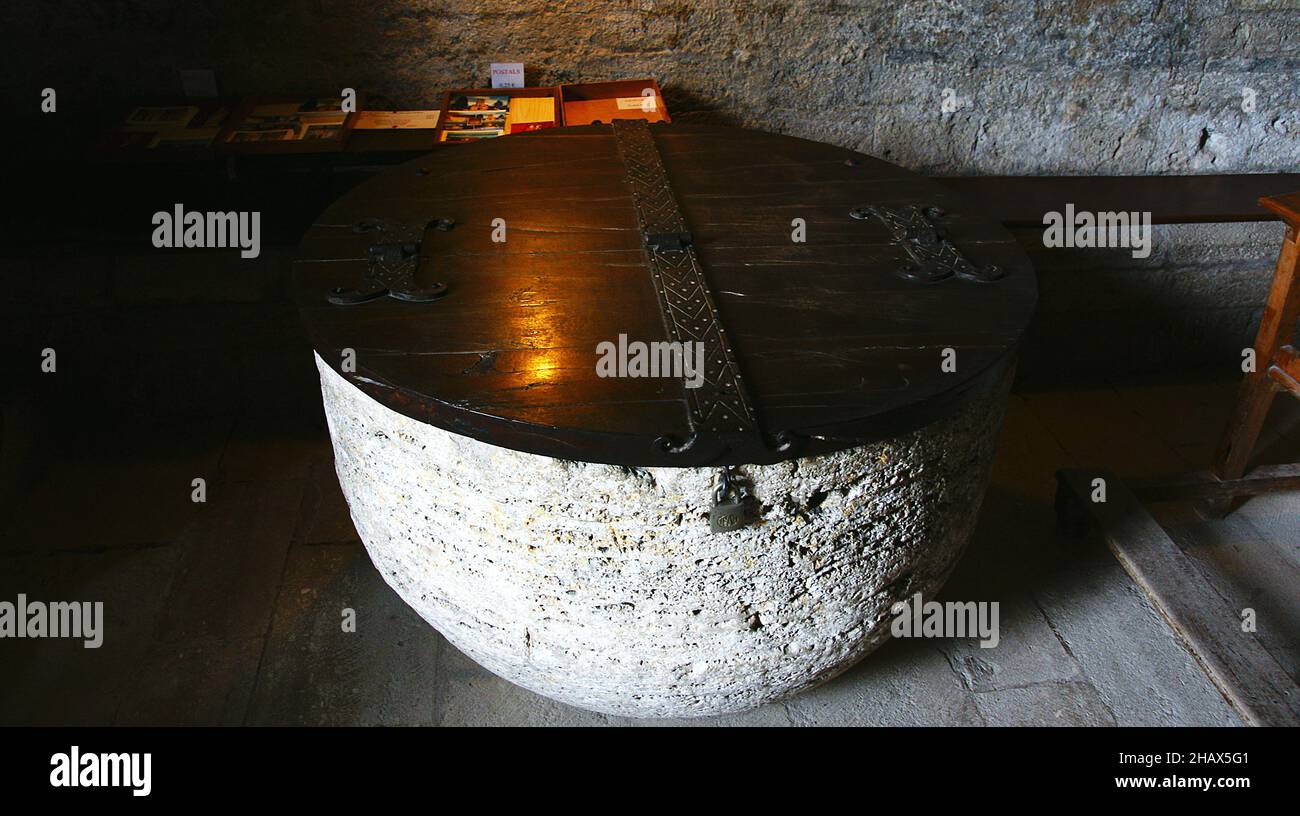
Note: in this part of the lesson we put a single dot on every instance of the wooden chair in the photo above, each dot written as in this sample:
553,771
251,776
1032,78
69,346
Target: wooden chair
1277,363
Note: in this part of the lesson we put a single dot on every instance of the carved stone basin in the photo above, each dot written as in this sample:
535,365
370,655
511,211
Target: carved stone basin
554,524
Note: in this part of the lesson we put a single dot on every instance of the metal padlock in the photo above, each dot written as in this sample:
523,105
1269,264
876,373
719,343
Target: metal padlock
726,516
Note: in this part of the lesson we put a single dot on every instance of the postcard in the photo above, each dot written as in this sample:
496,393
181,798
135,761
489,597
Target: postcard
486,121
146,118
186,138
479,104
647,104
334,104
469,135
418,119
524,109
263,135
324,130
323,117
131,138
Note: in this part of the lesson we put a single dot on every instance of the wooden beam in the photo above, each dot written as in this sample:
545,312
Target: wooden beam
1247,675
1021,201
1204,484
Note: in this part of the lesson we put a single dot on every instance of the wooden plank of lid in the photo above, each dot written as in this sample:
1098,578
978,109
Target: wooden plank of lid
837,343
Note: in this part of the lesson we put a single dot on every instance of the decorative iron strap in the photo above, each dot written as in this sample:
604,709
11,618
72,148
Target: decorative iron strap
932,257
721,404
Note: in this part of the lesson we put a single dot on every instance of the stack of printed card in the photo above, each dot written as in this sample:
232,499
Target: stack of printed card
531,113
291,121
470,118
170,126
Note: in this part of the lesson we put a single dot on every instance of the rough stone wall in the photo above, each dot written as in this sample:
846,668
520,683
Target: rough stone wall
1189,309
1117,86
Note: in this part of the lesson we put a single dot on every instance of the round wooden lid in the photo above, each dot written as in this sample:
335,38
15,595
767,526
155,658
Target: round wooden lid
511,291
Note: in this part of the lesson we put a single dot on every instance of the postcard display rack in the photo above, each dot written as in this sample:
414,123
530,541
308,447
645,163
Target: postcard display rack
474,114
653,544
200,129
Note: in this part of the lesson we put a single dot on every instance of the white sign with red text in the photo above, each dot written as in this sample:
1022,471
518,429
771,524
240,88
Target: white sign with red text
507,75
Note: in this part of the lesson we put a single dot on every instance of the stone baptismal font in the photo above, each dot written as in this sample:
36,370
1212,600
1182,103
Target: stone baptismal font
834,339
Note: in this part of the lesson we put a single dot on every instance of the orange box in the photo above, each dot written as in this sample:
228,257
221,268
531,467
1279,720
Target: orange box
591,102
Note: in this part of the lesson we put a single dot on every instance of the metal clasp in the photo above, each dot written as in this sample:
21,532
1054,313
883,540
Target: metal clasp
391,268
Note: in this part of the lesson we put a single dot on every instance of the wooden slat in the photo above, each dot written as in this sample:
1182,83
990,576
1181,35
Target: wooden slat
1287,206
1248,677
1285,369
1021,201
1204,484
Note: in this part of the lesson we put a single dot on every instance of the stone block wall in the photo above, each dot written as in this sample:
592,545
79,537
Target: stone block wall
1084,87
1090,86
